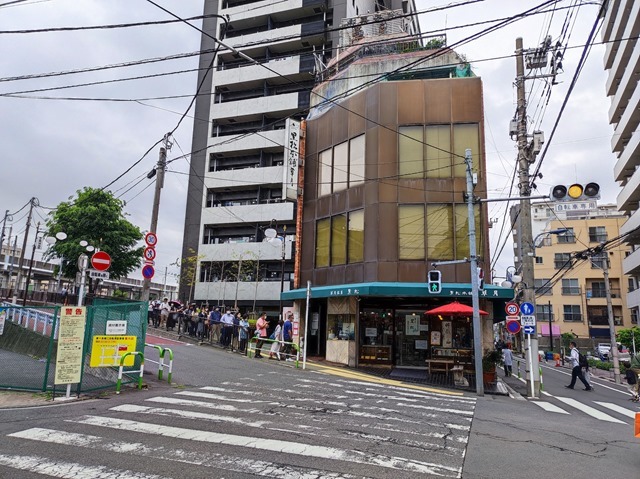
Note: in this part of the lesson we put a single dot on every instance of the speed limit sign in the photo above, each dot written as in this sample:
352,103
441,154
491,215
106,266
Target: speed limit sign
512,309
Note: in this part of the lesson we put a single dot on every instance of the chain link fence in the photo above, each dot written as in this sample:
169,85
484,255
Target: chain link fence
28,344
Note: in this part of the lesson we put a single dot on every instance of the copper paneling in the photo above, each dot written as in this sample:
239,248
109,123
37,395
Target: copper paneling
370,271
355,197
411,191
357,115
320,277
323,207
411,103
338,202
387,233
465,96
388,105
311,176
371,224
340,126
372,103
412,271
354,273
387,191
437,100
323,131
442,191
387,271
387,153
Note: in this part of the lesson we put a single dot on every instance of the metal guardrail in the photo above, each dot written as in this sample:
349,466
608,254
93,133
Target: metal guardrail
251,348
120,369
31,318
160,362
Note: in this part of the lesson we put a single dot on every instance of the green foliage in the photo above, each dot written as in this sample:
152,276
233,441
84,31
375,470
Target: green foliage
95,216
434,43
627,336
119,294
567,338
490,359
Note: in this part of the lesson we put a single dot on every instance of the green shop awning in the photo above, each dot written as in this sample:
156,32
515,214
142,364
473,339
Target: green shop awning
407,290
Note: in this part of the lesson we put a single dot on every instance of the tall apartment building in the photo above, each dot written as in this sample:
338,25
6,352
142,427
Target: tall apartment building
570,292
237,174
620,31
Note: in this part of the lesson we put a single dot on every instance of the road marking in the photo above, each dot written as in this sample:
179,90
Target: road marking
186,414
286,447
211,459
208,405
217,397
619,409
69,470
589,410
547,406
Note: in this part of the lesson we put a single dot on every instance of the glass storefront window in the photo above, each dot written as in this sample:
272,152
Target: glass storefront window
412,338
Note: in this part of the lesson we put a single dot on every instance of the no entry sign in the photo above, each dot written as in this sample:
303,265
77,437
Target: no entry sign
101,261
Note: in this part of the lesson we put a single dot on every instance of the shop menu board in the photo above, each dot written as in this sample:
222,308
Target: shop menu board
412,325
70,341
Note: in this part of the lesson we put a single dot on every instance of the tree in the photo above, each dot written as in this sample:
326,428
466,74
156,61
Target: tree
627,337
188,270
95,216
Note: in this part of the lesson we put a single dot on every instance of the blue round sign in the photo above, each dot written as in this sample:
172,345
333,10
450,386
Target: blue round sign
148,271
526,309
513,326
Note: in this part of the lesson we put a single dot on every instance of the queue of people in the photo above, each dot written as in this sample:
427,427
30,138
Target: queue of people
227,328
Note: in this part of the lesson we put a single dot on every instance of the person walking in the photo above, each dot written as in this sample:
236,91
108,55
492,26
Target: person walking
576,371
287,337
634,367
274,353
261,332
507,358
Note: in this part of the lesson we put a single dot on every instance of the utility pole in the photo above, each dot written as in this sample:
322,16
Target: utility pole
8,259
525,158
159,172
612,326
13,259
549,311
33,202
33,252
4,223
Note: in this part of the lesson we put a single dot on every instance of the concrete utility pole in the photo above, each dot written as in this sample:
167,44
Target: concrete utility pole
525,158
33,202
33,253
612,326
160,168
4,224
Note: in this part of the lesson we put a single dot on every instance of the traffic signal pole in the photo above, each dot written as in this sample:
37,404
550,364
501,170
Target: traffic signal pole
525,158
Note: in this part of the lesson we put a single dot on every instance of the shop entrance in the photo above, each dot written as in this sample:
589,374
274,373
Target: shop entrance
412,338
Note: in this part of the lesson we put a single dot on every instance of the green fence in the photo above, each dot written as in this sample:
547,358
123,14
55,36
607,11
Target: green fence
28,345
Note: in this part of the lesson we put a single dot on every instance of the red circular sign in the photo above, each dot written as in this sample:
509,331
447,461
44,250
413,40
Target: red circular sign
512,309
149,253
101,261
151,239
513,327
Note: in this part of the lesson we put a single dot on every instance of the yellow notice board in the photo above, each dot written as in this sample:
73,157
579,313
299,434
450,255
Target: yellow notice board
106,351
70,341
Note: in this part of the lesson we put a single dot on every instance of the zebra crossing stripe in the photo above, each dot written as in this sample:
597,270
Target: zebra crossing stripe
211,459
547,406
186,414
619,409
593,412
288,447
69,470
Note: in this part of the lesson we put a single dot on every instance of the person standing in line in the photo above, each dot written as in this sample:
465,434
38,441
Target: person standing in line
507,357
261,332
287,337
274,353
165,308
227,328
214,324
576,371
243,334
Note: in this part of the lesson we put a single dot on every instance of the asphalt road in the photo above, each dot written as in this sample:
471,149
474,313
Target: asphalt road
227,416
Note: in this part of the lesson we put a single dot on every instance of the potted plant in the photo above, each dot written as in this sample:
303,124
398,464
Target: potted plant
489,362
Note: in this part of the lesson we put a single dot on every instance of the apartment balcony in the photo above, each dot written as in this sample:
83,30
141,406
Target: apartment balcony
609,21
228,292
629,196
633,299
620,66
631,264
263,251
239,10
252,73
275,36
261,213
617,31
255,106
627,124
629,159
237,143
632,224
246,176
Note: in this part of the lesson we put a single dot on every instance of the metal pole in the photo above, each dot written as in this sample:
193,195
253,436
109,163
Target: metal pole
24,247
8,259
612,326
13,260
281,276
82,260
550,327
4,223
525,234
162,164
475,301
33,252
306,327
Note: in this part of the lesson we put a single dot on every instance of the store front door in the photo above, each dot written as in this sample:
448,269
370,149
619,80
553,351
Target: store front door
412,338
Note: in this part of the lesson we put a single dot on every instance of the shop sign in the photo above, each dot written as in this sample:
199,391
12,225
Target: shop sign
344,292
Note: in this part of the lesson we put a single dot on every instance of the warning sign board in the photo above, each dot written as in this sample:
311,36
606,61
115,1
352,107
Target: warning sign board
106,351
70,341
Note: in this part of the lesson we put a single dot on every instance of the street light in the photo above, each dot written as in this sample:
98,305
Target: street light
272,237
83,262
60,236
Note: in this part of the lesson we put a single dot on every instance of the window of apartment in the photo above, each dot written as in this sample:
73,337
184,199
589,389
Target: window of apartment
568,237
355,238
598,289
539,260
438,154
632,284
465,136
341,166
561,260
208,236
570,287
323,235
411,231
439,228
597,234
356,160
543,286
634,316
338,240
544,312
597,260
325,168
572,313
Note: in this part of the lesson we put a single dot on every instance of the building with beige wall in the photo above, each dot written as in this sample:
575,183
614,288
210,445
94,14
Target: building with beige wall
570,290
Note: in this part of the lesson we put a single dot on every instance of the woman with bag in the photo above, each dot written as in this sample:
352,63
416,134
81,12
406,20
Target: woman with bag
261,333
275,346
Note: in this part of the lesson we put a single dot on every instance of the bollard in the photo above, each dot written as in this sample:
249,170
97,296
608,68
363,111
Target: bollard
170,363
541,383
119,383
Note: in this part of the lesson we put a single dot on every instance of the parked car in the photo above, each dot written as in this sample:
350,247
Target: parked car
603,351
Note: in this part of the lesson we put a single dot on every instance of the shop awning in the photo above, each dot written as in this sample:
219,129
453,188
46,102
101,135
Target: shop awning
406,290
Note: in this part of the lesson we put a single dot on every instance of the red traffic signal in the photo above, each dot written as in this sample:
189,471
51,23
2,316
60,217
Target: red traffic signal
575,192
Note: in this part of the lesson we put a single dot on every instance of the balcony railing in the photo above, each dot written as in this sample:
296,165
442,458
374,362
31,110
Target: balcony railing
571,290
601,293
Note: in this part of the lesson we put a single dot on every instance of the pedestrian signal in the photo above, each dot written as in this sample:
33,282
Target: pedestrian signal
435,281
575,192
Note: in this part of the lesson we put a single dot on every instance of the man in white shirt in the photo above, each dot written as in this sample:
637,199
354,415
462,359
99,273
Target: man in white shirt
165,308
227,328
576,371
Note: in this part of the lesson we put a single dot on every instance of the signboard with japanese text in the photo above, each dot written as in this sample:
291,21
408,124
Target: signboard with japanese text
412,325
291,160
106,351
116,328
70,342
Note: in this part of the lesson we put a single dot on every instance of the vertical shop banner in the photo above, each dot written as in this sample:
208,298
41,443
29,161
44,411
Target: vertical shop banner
291,155
412,325
70,341
447,336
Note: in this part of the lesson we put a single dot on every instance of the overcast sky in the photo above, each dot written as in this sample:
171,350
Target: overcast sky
51,148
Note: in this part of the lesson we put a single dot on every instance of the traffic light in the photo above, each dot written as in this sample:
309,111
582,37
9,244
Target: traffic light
435,281
575,192
480,278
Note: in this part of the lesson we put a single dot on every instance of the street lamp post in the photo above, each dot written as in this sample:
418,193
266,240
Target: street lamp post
83,262
60,236
272,235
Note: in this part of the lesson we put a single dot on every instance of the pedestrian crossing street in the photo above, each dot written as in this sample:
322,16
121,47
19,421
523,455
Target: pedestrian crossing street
314,427
601,410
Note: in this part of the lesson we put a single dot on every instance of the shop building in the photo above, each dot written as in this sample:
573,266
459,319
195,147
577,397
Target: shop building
383,199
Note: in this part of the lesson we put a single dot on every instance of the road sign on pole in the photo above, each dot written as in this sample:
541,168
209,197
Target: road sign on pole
151,239
526,308
512,309
101,261
528,320
149,253
529,330
148,271
513,326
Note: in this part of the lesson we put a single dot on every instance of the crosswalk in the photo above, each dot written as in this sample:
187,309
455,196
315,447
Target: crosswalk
600,410
314,427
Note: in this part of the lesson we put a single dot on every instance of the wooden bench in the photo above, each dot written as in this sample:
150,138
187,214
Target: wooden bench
439,365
